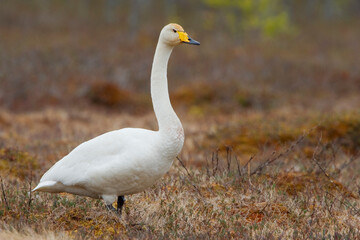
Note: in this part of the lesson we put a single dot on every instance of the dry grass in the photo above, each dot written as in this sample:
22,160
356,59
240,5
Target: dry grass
309,188
29,234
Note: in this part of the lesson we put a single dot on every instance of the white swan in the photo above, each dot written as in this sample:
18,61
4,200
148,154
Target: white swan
128,160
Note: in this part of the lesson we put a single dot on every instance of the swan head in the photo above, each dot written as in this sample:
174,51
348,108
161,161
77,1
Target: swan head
173,34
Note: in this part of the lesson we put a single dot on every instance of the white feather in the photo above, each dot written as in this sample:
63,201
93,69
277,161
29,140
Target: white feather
129,160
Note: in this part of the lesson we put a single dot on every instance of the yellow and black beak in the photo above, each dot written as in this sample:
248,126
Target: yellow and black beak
185,38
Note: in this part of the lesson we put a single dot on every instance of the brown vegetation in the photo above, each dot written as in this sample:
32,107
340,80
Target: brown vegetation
309,189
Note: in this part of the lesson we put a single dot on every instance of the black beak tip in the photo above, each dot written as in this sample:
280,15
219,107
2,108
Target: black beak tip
193,42
196,42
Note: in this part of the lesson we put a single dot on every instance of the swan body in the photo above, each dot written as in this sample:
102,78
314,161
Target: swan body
128,160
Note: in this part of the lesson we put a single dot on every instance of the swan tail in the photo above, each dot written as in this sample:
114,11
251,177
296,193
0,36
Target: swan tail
48,186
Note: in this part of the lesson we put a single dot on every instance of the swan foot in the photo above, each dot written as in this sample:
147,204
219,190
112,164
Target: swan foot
110,207
120,204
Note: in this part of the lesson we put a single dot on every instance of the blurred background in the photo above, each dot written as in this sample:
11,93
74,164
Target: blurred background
254,54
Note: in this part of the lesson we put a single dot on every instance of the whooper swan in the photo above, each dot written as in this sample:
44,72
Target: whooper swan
128,160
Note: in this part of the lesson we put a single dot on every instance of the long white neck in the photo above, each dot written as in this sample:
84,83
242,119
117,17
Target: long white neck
166,117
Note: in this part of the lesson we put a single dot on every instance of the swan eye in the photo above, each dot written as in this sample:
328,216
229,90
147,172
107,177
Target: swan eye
174,30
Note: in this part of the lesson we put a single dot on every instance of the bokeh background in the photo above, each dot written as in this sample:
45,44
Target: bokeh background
253,54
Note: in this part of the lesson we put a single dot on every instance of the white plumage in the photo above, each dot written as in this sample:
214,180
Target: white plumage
129,160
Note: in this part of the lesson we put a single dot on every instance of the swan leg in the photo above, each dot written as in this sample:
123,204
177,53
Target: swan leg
120,203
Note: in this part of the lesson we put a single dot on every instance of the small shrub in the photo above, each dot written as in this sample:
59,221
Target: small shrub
195,94
107,94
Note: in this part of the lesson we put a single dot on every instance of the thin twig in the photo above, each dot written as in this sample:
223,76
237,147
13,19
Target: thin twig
228,157
190,176
333,151
322,169
30,192
238,166
346,203
207,167
4,195
215,156
280,155
248,162
262,210
352,159
328,207
183,165
331,179
317,162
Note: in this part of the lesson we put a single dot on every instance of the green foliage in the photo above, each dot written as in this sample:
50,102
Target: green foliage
267,17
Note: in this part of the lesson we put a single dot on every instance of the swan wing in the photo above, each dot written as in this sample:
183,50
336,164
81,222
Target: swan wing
97,164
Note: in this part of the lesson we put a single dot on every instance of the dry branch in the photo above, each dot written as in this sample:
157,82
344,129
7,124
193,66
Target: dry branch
4,195
190,176
280,155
